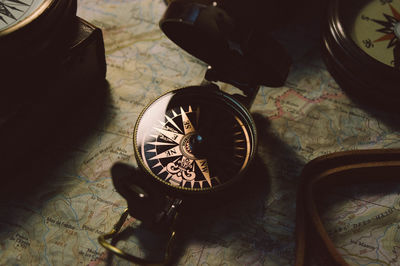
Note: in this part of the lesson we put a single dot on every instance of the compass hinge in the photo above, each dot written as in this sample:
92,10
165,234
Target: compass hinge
250,90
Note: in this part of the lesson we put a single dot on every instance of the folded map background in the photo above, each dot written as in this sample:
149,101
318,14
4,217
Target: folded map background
58,222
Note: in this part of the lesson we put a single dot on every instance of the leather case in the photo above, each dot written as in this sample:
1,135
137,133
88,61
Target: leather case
63,80
338,169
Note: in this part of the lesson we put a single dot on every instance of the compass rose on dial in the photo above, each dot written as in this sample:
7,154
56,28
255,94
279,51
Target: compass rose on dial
174,154
377,31
195,146
391,28
391,31
12,11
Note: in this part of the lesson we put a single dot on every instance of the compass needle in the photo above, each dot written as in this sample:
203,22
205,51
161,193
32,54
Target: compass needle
386,37
395,13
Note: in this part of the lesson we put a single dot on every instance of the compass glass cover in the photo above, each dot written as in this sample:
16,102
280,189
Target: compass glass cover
376,30
194,142
14,11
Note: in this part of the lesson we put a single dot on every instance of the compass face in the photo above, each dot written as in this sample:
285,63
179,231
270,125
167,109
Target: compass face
376,31
193,143
14,11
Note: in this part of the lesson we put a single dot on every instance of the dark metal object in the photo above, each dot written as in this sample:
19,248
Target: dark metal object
48,27
34,101
239,53
363,77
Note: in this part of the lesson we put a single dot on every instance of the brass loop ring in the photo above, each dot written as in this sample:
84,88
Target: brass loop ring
120,253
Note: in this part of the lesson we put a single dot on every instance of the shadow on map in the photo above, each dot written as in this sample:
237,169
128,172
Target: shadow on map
243,218
302,40
383,107
243,222
54,137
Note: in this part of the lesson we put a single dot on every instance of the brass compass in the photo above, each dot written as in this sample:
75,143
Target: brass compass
196,143
362,49
195,139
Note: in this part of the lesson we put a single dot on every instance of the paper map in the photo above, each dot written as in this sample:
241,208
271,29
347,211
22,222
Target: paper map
308,117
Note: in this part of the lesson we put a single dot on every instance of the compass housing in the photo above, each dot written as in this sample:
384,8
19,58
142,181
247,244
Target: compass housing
34,46
50,23
360,74
195,140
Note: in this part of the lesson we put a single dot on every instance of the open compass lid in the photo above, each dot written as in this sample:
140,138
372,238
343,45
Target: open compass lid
238,52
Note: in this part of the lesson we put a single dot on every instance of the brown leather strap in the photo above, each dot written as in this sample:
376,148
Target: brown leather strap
343,168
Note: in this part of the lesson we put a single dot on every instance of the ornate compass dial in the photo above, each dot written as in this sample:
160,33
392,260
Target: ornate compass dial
377,31
193,144
14,11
